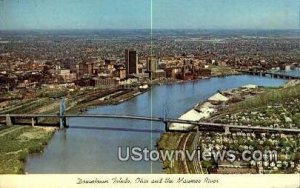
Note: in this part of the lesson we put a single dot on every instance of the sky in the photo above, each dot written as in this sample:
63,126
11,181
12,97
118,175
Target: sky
139,14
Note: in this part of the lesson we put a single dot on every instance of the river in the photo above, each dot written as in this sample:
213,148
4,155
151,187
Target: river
93,148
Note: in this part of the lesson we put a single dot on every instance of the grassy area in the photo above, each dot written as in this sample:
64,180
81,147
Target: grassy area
27,107
17,143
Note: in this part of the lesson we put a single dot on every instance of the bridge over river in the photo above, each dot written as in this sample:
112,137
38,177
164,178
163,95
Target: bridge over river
272,75
167,122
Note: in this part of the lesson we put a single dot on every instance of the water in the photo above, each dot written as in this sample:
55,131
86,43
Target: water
94,148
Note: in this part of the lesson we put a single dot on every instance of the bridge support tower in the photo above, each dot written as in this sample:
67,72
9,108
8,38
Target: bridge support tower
9,121
34,121
167,126
62,118
227,131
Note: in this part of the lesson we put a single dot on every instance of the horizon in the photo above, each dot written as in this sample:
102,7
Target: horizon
150,14
149,29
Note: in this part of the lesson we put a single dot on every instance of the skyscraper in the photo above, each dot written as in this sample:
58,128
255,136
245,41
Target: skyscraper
131,62
152,65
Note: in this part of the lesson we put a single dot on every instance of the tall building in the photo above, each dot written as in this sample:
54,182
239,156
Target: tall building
131,62
152,65
86,68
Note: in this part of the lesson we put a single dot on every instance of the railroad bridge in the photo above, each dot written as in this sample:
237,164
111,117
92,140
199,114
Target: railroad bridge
272,75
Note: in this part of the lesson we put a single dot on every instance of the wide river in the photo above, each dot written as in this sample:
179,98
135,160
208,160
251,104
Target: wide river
91,145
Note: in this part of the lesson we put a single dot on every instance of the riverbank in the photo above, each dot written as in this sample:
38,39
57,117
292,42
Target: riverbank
112,98
215,74
216,102
116,96
17,142
80,100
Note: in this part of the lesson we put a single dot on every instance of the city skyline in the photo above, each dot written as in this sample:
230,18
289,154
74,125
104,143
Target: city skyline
134,14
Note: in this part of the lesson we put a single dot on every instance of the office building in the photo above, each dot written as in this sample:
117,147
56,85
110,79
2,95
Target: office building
131,62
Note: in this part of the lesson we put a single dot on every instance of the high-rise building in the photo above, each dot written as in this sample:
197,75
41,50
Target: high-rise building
131,62
85,69
152,65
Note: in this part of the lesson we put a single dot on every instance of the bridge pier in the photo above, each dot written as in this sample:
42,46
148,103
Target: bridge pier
167,128
227,131
62,118
65,125
32,122
271,74
8,120
63,122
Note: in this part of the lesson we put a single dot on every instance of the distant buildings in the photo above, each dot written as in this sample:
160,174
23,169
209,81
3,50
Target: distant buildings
153,69
66,75
104,82
120,72
86,68
159,74
131,62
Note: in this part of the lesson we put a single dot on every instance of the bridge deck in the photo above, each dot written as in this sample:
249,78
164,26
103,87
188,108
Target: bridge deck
264,73
155,119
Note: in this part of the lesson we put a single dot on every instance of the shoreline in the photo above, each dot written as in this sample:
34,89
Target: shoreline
204,109
95,103
28,140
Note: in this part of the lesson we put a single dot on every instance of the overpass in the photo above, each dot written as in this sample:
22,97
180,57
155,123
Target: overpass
272,75
194,125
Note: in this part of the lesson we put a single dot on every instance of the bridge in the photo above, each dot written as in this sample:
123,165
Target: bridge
272,75
194,125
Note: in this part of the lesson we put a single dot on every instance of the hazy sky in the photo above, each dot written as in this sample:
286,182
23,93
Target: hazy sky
136,14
